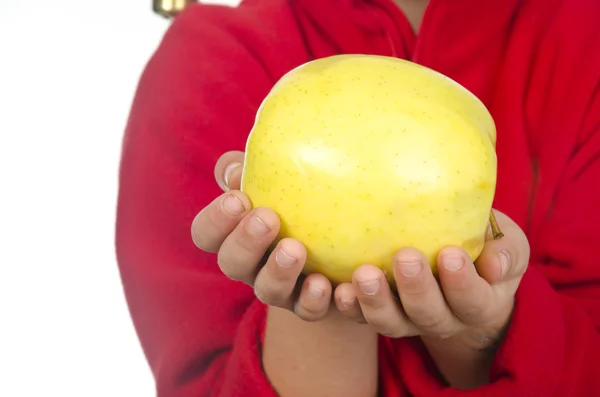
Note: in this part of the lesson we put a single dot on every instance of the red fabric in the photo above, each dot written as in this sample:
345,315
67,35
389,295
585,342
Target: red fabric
536,65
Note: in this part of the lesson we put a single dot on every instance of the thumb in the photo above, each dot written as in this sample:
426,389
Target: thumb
506,258
228,170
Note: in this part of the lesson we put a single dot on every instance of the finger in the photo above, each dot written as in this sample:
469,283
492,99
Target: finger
276,281
216,221
346,302
314,299
243,250
228,170
378,306
421,296
470,297
506,258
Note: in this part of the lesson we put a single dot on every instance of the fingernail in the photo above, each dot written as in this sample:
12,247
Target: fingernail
504,262
453,262
315,292
229,172
283,259
410,269
369,287
233,205
348,302
257,227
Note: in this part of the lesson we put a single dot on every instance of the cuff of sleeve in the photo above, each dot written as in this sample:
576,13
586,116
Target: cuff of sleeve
530,358
528,362
245,375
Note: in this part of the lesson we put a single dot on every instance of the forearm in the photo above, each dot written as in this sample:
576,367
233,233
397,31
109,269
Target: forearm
330,358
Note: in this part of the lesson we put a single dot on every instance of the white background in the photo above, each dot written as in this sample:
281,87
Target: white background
68,71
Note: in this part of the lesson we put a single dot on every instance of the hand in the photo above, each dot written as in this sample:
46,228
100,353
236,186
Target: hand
243,237
473,302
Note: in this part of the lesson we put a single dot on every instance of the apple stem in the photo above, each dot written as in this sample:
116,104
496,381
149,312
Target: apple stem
496,232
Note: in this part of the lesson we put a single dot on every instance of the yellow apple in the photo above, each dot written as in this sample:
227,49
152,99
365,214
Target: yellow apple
361,155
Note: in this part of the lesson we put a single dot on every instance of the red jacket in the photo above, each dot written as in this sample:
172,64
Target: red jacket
534,63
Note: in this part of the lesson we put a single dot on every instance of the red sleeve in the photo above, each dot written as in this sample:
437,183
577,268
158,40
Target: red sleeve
196,99
553,344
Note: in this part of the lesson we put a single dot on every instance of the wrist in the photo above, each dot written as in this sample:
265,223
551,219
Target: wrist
465,359
461,367
303,358
333,330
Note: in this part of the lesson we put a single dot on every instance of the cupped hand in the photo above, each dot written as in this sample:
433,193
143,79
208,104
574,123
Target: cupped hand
243,237
471,299
474,300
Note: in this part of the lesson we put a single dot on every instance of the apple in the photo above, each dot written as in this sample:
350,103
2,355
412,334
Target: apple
361,155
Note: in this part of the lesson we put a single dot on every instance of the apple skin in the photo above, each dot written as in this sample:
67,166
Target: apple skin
361,155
